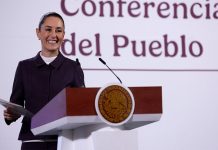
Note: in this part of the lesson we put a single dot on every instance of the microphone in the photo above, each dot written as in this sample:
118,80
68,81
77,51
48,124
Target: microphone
103,62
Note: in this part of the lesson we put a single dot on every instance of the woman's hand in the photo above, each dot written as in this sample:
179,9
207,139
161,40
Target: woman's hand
11,115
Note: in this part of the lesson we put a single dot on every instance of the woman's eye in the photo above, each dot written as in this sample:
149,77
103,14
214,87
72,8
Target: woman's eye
48,30
59,30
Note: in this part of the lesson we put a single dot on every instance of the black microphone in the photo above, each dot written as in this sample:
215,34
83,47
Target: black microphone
103,62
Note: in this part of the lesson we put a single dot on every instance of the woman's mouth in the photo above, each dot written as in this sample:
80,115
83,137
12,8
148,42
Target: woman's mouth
52,41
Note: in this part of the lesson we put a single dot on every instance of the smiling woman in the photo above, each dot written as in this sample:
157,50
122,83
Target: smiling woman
40,78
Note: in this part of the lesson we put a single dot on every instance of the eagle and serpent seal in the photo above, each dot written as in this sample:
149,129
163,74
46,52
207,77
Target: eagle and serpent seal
114,104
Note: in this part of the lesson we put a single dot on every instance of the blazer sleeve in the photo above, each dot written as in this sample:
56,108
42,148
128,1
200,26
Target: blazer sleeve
17,95
79,77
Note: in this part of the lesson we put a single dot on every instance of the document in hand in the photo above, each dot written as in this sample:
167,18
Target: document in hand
16,108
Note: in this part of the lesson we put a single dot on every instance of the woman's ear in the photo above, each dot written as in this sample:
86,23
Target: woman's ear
38,33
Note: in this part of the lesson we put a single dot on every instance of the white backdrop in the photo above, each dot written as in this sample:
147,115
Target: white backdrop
189,119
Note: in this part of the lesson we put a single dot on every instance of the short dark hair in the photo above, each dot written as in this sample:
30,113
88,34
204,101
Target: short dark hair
50,14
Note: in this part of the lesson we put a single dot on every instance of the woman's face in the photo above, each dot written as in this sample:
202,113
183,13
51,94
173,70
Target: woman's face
51,34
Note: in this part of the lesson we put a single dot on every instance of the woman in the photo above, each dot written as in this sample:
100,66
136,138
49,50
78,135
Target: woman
39,79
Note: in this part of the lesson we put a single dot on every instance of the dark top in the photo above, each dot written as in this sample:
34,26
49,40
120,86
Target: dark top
36,83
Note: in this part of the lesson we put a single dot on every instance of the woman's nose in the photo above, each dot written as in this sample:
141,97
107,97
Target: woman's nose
53,33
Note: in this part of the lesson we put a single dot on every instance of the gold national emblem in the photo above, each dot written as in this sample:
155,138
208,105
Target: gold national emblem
115,104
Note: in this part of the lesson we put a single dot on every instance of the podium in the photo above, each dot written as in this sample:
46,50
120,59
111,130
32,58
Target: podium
72,116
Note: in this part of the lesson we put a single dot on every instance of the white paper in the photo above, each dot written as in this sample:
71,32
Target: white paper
15,108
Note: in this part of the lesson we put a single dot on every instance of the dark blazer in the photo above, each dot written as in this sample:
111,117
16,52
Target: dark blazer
36,83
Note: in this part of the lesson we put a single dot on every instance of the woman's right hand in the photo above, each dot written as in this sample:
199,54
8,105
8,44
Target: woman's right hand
10,115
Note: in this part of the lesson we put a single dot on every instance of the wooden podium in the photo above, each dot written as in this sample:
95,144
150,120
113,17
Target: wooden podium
72,115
